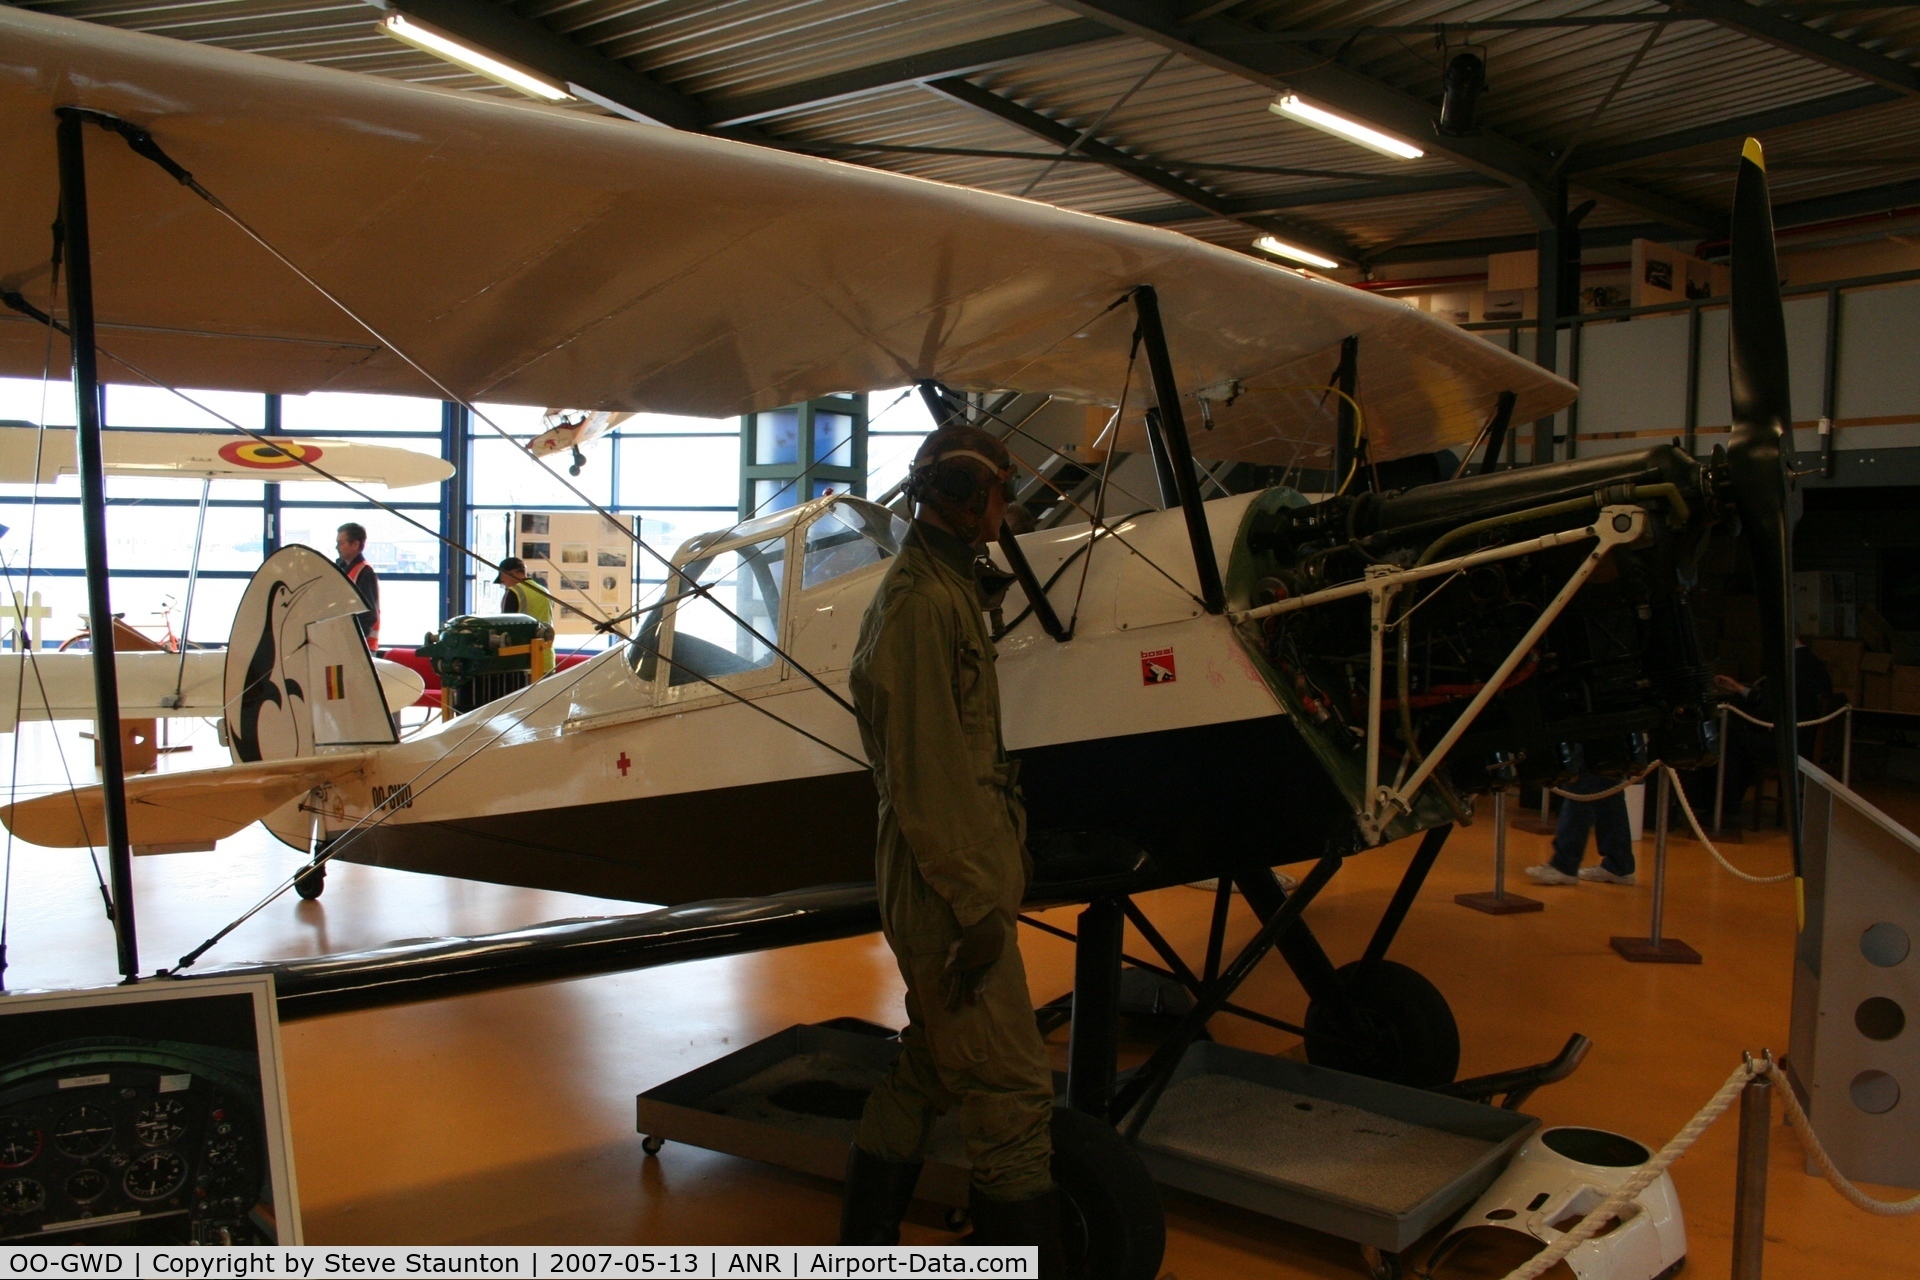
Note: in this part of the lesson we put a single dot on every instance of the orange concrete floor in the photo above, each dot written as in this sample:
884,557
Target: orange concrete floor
508,1117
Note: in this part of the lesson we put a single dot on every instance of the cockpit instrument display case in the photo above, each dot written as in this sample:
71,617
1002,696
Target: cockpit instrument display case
151,1114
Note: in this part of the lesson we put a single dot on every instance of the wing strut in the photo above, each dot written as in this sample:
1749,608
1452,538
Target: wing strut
1170,426
93,515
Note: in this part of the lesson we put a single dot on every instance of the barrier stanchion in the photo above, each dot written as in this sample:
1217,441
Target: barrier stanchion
1656,948
1499,902
1720,775
1750,1181
1846,751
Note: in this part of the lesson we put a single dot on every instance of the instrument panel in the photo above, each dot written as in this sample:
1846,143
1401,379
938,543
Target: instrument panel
110,1146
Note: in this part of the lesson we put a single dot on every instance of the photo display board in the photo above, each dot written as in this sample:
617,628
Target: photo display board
583,559
146,1115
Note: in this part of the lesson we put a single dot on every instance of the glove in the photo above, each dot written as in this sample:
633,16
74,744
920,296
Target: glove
972,954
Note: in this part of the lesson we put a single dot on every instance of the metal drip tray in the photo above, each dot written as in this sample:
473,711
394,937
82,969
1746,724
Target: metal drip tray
1377,1163
794,1100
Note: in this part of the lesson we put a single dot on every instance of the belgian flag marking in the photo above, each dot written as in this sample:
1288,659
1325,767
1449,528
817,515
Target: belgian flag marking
336,683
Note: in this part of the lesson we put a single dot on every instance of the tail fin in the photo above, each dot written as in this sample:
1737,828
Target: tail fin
299,676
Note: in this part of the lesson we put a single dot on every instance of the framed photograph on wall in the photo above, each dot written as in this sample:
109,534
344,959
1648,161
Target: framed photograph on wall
145,1115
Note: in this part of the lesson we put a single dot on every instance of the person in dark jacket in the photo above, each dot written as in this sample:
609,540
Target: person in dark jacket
1749,748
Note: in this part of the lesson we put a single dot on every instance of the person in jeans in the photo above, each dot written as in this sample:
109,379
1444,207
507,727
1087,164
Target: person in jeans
1606,818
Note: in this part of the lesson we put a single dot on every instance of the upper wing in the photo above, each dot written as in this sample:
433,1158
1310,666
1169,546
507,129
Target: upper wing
541,256
175,809
26,456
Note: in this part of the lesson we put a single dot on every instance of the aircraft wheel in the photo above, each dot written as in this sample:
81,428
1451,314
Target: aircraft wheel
1114,1227
651,1144
312,882
1415,1039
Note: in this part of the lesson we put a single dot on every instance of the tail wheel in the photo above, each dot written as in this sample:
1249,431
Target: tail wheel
1113,1225
311,882
1407,1033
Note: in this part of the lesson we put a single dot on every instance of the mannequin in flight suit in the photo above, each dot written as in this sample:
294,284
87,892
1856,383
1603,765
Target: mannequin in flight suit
952,867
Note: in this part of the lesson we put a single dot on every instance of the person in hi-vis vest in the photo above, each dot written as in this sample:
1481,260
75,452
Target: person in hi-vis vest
523,595
351,543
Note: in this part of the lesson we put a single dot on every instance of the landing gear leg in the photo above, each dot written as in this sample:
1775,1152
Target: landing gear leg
312,880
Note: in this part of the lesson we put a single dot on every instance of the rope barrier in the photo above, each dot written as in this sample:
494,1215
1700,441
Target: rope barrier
1802,1126
1699,832
1615,790
1648,1173
1834,714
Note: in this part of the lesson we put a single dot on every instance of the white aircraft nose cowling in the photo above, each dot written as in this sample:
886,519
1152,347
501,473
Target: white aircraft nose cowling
1560,1176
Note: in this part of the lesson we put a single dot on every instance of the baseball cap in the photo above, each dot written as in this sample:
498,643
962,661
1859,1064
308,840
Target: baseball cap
512,564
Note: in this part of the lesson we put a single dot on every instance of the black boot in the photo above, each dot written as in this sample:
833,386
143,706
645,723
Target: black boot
1034,1221
877,1195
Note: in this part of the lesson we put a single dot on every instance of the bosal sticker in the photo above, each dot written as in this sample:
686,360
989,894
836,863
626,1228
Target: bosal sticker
277,456
1156,666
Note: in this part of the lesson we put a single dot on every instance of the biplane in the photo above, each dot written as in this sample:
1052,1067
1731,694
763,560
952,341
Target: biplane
1209,690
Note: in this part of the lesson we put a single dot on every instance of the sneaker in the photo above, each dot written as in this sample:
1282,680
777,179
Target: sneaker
1547,873
1604,876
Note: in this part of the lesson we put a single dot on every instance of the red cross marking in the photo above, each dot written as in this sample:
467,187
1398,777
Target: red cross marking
623,764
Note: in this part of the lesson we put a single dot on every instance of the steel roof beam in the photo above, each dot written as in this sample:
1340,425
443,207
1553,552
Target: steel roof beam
966,92
1482,246
1587,160
1339,193
1245,52
959,59
1797,37
1799,213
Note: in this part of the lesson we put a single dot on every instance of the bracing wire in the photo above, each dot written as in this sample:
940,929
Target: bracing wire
1106,474
30,659
144,145
1014,429
409,793
19,304
665,561
1359,418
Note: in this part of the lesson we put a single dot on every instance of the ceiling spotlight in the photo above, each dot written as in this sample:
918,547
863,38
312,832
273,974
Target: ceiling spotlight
441,45
1281,249
1290,106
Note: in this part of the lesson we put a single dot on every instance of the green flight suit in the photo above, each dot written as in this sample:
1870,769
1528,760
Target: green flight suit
952,847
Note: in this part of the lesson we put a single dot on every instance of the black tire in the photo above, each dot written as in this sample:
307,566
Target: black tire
1415,1039
312,882
1114,1227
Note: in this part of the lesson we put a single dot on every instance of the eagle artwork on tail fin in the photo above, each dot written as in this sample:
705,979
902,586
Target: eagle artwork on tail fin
269,684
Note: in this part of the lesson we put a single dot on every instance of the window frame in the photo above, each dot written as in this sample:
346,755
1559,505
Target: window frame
696,692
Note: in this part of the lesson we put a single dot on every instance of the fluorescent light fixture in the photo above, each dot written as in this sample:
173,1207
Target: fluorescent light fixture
441,45
1290,106
1281,249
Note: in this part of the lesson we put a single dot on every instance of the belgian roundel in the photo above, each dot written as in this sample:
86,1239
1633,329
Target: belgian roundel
277,456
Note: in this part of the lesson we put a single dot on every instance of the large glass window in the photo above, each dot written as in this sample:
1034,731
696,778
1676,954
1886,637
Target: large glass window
680,475
803,451
899,423
151,520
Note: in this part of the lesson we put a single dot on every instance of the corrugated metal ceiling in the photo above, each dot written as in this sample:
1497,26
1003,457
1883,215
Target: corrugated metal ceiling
1201,124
